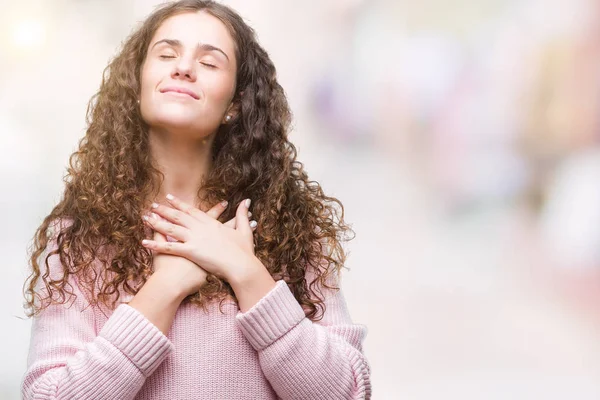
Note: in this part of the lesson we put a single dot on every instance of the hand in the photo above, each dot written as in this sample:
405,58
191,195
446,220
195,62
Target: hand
226,253
182,275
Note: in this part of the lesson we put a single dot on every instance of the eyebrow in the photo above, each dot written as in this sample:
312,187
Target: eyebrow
201,46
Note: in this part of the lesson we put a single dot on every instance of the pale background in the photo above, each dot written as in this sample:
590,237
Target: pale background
462,137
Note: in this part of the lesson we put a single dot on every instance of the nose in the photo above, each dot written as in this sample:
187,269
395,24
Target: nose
185,68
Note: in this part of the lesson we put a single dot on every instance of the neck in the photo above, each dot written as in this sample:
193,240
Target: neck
184,163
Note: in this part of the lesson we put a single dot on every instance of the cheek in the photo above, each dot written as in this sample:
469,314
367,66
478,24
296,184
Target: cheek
150,76
218,91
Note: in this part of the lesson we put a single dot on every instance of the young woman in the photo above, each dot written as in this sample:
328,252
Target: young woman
176,295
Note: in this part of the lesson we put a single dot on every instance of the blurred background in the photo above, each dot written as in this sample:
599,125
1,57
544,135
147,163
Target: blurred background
462,137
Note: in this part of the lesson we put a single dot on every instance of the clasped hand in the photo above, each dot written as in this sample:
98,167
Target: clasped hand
220,250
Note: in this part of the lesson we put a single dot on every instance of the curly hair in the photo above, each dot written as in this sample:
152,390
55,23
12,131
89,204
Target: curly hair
111,178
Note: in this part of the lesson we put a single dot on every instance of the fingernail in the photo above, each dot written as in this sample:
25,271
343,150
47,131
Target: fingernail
249,214
253,224
224,203
145,217
170,196
154,216
154,205
247,203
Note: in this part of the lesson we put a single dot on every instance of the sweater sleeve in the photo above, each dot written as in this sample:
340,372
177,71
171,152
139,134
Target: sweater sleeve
67,360
303,359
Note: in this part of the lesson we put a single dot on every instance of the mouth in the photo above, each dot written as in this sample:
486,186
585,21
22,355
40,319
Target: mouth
180,91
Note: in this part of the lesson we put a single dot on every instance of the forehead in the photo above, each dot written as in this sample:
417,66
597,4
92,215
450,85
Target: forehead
194,28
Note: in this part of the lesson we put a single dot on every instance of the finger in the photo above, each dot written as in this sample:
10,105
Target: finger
174,248
186,208
168,229
242,222
231,222
159,237
173,215
163,238
217,210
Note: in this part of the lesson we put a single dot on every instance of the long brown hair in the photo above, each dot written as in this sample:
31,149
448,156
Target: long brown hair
112,177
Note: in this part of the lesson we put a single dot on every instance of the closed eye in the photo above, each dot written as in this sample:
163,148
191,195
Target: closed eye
206,64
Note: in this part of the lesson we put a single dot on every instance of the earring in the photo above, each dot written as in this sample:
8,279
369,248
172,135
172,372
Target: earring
228,118
138,101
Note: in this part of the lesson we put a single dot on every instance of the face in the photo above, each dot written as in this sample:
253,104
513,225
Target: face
188,76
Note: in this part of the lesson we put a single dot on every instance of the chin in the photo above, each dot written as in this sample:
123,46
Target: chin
171,117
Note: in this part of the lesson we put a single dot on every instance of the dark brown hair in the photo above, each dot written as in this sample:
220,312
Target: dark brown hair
112,177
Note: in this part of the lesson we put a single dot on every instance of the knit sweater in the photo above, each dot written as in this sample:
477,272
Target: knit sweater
271,351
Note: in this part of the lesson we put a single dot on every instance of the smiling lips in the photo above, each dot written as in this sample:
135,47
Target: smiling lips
178,89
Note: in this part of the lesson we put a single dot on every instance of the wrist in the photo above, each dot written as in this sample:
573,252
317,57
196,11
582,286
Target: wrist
252,285
248,271
162,285
157,303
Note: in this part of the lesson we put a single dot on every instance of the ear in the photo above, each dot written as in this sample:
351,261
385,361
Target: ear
232,113
234,107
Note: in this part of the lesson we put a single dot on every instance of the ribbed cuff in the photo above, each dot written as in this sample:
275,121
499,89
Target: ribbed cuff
362,374
271,317
138,338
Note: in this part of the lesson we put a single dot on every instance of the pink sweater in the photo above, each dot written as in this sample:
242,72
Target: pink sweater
272,351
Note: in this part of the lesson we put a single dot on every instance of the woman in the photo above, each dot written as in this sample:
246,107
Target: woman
190,114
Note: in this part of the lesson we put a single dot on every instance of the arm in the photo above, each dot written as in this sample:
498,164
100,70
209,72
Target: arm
67,360
303,359
157,303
